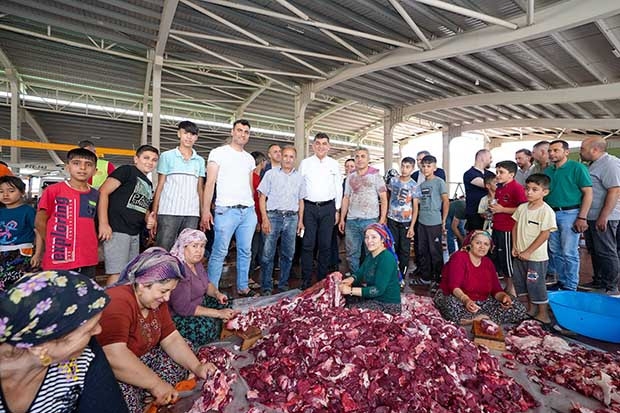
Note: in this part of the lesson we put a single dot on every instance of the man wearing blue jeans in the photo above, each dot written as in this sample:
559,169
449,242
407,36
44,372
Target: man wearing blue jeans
364,203
230,166
282,207
570,197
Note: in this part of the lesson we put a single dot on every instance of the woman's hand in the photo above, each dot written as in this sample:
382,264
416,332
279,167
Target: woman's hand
221,297
164,393
504,299
204,369
471,306
227,313
347,281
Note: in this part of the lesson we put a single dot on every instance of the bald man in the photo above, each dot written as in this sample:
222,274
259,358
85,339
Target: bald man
603,216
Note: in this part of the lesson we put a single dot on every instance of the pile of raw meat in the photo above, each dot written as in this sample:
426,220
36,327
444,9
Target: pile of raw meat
592,373
320,357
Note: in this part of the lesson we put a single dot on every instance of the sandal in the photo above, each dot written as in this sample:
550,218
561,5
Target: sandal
248,293
253,285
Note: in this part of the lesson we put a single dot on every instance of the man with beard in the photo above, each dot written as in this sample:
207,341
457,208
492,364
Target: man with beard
523,158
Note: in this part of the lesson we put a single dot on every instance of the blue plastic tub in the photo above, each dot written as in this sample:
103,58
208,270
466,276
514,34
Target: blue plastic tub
589,314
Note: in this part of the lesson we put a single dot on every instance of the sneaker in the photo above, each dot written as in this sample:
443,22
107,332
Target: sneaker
555,286
283,289
266,292
420,282
551,279
613,293
591,286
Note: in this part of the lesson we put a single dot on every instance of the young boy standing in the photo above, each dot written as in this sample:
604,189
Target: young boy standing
434,206
535,220
509,195
403,211
179,187
483,207
66,218
124,202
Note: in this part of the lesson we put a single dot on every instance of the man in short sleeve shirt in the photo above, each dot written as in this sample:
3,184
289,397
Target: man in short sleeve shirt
604,215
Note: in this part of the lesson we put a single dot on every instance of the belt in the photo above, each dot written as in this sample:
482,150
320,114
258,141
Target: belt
282,212
566,208
320,203
239,206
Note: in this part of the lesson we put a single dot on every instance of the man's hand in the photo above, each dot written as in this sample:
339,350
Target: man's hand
341,226
580,225
266,226
206,221
601,224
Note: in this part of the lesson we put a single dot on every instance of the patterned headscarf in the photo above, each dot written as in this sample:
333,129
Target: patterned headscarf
155,264
470,236
388,241
186,237
47,305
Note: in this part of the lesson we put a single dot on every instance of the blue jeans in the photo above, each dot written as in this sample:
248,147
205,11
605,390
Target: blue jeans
564,249
354,240
242,223
451,238
285,227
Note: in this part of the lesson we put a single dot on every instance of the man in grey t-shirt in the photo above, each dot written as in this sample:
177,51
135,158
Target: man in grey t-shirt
603,216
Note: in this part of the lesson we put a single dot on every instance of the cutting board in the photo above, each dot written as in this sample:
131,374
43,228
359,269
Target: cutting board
495,341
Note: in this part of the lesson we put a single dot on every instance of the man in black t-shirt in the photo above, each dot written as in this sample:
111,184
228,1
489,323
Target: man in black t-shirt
124,203
473,179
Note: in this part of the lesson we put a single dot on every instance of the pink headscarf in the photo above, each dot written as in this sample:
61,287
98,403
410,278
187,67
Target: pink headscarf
186,237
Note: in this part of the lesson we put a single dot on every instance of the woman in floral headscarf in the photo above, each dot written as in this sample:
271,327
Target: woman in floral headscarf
470,289
376,282
198,307
49,360
146,352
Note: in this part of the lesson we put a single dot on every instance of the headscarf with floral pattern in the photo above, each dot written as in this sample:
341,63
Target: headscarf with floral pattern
155,264
47,305
186,237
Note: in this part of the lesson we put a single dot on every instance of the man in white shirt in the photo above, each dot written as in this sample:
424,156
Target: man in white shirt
321,205
231,167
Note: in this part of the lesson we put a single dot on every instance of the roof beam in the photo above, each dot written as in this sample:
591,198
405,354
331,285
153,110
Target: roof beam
336,108
546,123
261,46
72,43
561,16
537,97
608,33
326,32
469,13
313,23
407,18
243,106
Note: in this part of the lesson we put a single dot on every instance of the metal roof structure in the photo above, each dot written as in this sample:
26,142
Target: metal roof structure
367,72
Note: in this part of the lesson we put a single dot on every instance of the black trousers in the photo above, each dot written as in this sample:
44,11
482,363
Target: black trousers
431,251
474,222
319,224
402,244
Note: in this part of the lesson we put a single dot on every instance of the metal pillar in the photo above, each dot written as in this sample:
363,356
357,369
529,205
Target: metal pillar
391,118
145,99
301,102
16,128
156,122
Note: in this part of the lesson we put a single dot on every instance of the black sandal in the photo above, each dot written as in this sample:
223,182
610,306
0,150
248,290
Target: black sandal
248,293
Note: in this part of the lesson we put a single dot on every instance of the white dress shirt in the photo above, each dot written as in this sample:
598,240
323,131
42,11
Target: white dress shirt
323,179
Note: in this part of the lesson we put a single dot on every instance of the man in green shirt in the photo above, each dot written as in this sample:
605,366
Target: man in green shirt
570,197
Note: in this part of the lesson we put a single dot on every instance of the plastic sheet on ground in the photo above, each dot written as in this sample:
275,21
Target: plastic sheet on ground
245,304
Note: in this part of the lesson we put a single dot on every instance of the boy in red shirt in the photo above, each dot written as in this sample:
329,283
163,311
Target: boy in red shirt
509,195
66,218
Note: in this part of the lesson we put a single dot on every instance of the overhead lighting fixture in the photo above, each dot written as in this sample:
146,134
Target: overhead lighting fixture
428,80
477,82
616,53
